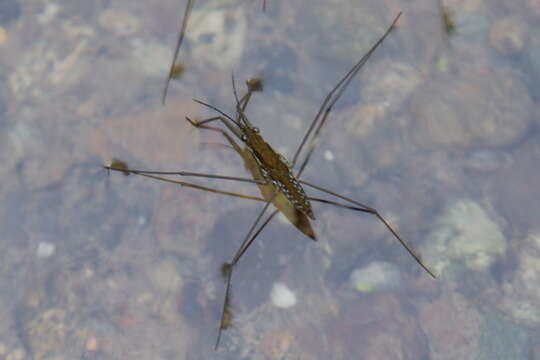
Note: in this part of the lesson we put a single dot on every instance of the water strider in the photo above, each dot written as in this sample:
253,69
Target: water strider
278,184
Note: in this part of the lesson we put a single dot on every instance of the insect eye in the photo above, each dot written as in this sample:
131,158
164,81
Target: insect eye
243,138
256,130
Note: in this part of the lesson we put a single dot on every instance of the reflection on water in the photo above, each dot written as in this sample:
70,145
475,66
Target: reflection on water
439,135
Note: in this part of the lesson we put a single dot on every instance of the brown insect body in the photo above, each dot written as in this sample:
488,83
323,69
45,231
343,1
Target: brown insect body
275,169
269,190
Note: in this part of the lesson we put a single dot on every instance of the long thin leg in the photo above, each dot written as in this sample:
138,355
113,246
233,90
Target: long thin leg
248,241
187,12
231,141
235,93
226,311
228,268
224,119
186,173
186,184
241,106
344,206
298,219
330,100
320,188
376,213
224,323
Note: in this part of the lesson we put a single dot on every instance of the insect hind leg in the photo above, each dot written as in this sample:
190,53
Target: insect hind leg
370,210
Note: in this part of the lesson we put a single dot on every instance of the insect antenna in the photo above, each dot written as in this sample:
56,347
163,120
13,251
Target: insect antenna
253,85
235,92
245,99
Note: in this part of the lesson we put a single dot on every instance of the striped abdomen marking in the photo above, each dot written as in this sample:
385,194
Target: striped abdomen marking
275,169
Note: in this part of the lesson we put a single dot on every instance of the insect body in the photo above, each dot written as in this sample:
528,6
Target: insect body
275,169
270,168
271,189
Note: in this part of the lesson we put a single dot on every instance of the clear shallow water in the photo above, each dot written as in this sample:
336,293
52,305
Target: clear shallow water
437,133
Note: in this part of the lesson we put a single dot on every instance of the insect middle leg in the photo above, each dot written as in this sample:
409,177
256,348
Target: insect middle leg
150,174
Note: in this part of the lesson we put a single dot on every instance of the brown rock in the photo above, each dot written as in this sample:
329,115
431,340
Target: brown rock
477,109
452,327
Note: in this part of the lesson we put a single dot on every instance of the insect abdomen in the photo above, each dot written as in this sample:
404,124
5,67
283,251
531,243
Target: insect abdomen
276,170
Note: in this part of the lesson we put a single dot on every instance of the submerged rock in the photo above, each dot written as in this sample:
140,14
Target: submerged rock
465,233
521,295
282,296
474,110
376,276
218,35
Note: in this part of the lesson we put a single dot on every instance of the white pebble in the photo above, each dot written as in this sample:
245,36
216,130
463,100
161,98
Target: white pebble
376,276
45,249
282,296
49,13
328,155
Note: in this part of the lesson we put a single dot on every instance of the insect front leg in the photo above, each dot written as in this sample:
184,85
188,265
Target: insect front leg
201,125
